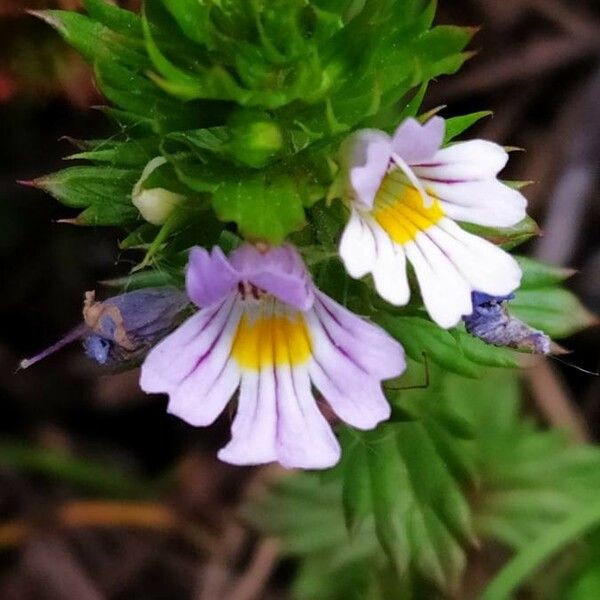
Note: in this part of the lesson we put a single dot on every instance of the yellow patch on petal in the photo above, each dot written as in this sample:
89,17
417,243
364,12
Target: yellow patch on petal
400,210
272,340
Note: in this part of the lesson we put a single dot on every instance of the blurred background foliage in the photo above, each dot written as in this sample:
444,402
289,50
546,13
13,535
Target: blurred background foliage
104,496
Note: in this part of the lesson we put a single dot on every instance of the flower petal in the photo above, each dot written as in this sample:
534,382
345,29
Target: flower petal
370,347
209,276
365,157
445,292
279,271
415,142
463,161
304,438
357,247
489,203
193,365
253,429
175,356
484,265
354,395
389,272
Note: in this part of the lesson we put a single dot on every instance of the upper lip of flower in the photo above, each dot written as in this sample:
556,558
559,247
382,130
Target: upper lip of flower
278,271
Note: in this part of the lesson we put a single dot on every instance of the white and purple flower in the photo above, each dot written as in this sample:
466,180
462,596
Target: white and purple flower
406,192
264,328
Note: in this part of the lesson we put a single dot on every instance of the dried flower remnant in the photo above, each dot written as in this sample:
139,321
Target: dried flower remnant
405,193
265,328
121,329
491,322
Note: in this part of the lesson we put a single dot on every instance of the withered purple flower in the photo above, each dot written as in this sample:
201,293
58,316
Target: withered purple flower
492,322
123,328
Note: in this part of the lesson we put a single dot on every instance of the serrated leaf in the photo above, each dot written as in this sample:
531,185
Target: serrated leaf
93,40
542,304
506,237
537,274
118,19
134,153
421,518
556,311
457,125
418,336
103,192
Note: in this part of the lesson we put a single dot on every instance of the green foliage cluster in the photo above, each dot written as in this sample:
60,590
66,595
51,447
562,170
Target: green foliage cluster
247,102
413,501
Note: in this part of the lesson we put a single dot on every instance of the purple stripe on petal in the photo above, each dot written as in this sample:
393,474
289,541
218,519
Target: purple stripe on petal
172,359
304,438
253,431
355,396
368,346
193,364
202,395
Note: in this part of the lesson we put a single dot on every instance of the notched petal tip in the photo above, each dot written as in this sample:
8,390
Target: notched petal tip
209,276
364,159
416,142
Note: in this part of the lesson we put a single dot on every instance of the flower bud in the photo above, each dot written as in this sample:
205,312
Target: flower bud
157,203
255,138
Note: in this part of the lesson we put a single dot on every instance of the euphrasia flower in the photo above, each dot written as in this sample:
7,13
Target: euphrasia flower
265,328
122,329
406,194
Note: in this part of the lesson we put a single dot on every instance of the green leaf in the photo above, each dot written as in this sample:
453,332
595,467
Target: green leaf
533,556
421,518
356,499
457,125
506,237
115,18
555,311
134,153
543,305
418,336
103,192
537,274
192,17
484,354
180,83
94,40
264,209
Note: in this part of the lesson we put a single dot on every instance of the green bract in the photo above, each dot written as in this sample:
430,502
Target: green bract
247,99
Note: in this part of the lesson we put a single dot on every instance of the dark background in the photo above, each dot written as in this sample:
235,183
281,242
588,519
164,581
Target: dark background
539,71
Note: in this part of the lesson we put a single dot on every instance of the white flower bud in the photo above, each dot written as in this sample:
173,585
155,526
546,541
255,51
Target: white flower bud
154,204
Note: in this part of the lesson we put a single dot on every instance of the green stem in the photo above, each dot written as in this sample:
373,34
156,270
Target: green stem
532,556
